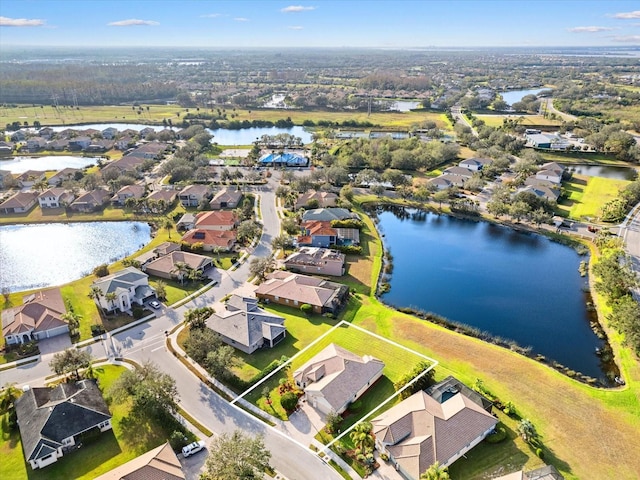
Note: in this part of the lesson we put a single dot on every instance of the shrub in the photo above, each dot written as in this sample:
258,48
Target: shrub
289,401
498,435
306,308
177,440
138,312
384,457
97,329
540,453
101,270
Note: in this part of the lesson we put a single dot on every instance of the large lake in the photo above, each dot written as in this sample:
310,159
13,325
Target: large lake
606,171
514,285
49,162
34,256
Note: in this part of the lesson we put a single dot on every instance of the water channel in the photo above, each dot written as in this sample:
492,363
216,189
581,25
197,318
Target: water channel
514,285
35,256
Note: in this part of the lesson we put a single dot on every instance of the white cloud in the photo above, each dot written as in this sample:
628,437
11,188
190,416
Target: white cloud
21,22
296,8
132,22
627,15
295,27
241,19
212,15
589,29
627,39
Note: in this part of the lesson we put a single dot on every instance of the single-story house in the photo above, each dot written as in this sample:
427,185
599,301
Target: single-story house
225,198
6,148
441,182
540,140
53,420
186,222
246,326
336,377
128,191
211,239
476,163
99,145
329,214
542,191
216,220
59,144
55,198
150,151
437,425
20,202
163,249
63,175
125,141
30,178
293,290
130,286
40,316
322,234
161,463
551,172
165,265
124,164
455,171
18,136
321,261
90,201
192,195
324,199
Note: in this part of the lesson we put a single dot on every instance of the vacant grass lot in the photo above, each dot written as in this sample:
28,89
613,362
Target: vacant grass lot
129,438
587,195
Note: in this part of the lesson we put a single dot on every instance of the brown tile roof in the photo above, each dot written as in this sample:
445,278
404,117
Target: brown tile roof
216,218
315,227
314,256
157,464
166,263
216,238
20,200
166,195
303,288
420,431
41,311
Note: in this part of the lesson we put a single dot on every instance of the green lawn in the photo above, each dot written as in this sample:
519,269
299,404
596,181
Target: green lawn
177,291
397,363
128,439
587,195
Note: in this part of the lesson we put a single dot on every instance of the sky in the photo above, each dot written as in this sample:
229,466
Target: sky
344,23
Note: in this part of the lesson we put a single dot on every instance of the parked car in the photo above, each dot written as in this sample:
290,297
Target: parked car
155,304
192,448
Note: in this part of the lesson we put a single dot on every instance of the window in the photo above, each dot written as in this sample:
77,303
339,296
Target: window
67,441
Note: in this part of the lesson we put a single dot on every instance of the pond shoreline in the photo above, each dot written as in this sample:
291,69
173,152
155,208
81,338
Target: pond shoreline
612,366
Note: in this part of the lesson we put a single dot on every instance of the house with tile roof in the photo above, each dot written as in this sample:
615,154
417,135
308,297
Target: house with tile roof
322,234
437,425
30,178
64,174
319,261
293,290
20,202
165,195
246,326
91,200
161,463
192,195
225,198
164,266
127,163
216,220
128,191
55,198
53,420
130,285
336,377
40,316
211,239
323,199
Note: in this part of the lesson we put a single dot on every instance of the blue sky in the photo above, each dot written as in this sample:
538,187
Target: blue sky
266,23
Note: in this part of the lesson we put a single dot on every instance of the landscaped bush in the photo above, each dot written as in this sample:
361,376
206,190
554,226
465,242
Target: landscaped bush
101,270
349,249
355,406
177,440
306,308
497,436
289,401
97,329
138,312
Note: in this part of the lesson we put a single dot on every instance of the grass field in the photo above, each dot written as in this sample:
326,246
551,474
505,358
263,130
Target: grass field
156,113
129,438
583,158
587,195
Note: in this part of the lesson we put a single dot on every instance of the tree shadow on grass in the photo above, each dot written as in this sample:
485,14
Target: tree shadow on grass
140,433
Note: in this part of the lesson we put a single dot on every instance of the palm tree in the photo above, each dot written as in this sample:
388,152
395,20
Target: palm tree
167,223
111,297
8,396
436,472
527,430
361,436
73,319
161,290
95,294
181,269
